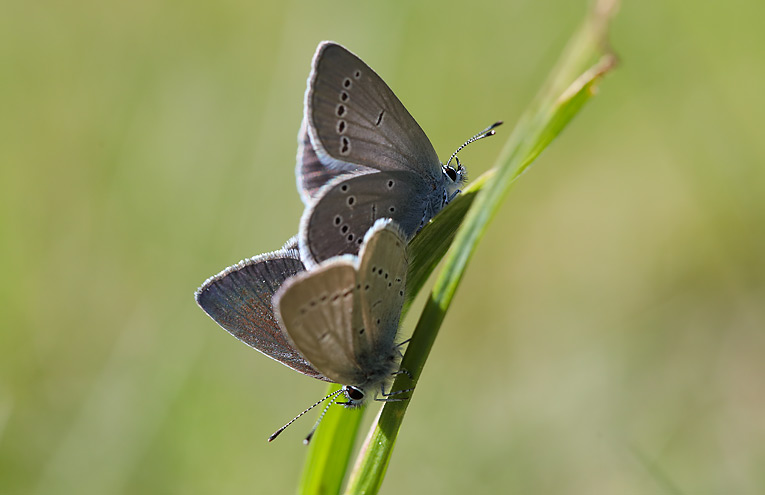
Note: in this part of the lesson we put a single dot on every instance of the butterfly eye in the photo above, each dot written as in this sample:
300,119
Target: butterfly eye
354,393
449,171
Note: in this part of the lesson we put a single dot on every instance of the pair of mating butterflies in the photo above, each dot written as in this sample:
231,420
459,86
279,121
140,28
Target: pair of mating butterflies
328,303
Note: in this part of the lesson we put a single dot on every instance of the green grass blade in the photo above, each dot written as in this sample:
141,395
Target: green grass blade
570,87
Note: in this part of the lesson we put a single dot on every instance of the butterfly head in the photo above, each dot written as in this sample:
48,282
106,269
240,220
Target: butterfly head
454,179
355,395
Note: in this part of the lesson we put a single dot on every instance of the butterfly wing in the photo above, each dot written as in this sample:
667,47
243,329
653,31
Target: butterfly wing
348,206
310,172
290,246
316,309
382,280
354,117
239,300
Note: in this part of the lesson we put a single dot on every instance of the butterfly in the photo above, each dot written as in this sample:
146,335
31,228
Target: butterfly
361,157
336,322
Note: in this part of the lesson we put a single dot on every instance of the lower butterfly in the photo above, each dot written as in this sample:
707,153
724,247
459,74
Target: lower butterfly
336,322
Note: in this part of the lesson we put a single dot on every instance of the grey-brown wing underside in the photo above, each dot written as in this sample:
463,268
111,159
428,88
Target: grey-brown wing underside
316,310
355,117
239,300
382,278
348,206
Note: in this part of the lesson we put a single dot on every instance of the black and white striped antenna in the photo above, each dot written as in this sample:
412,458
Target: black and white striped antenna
332,396
489,131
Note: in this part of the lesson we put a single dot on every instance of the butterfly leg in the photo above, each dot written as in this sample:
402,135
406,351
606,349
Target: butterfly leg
402,371
388,397
454,195
396,347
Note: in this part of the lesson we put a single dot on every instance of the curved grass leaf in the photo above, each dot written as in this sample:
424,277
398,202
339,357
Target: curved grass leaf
571,84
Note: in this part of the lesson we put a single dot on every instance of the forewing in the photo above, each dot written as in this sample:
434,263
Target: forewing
347,208
316,310
239,300
354,117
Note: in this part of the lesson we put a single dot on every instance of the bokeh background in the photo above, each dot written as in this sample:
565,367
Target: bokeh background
609,334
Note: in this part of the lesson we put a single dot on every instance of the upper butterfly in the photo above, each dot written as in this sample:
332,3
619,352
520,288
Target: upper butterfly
361,156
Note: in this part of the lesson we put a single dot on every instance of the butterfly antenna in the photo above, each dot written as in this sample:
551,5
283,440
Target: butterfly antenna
489,131
321,416
330,396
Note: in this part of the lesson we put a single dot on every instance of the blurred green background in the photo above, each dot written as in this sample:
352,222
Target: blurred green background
609,335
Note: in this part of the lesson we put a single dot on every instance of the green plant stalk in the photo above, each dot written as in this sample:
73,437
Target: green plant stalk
555,106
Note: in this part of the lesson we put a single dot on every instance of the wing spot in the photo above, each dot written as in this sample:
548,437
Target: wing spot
340,110
386,274
344,229
359,240
380,271
366,287
347,83
390,284
343,96
378,321
392,209
341,127
351,200
361,331
344,188
357,74
380,117
350,237
401,293
338,220
345,145
391,184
